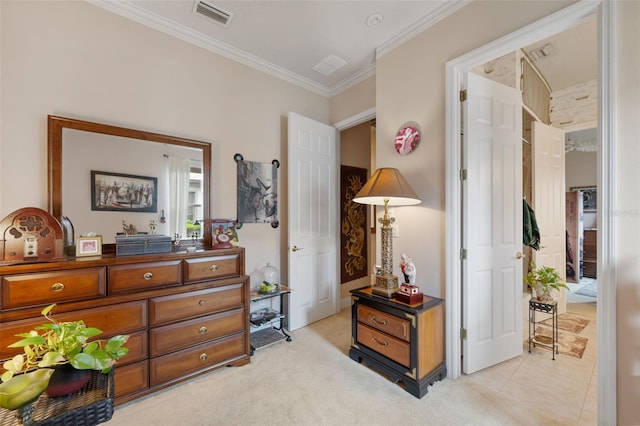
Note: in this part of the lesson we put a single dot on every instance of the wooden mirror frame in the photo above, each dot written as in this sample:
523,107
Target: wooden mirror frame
54,147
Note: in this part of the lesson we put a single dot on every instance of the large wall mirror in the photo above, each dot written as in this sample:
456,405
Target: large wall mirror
102,177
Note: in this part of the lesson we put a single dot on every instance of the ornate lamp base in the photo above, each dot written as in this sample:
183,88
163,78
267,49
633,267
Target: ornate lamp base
386,285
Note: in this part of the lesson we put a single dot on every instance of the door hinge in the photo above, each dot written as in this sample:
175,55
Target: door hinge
463,254
463,333
463,174
463,95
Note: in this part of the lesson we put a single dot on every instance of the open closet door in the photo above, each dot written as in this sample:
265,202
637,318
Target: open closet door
492,224
547,145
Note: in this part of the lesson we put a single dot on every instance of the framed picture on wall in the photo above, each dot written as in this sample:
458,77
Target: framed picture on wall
589,197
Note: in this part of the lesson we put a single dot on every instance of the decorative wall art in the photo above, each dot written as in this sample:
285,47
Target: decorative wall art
589,197
407,139
257,192
353,219
123,193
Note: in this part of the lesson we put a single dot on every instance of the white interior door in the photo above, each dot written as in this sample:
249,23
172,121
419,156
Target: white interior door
548,175
313,191
492,224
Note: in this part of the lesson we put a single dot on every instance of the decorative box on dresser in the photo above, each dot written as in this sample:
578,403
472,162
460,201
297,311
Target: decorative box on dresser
186,313
404,342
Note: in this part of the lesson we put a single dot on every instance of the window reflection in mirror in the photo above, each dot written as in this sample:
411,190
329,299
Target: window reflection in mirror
84,152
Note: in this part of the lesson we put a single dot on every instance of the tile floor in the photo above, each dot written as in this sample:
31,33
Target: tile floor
566,386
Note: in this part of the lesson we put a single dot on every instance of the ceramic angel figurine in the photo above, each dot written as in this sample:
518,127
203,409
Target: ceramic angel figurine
408,269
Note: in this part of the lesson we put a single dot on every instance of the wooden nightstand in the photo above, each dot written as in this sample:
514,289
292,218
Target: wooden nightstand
404,342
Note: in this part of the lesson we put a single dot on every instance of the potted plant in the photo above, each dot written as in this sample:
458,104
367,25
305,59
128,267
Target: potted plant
542,280
65,347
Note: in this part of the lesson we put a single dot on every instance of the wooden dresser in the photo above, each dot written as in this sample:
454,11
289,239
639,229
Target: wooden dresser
404,342
186,313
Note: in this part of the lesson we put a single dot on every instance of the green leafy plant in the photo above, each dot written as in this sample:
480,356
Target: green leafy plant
545,277
57,343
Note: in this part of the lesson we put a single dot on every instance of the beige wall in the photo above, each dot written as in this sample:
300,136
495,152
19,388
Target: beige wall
581,169
627,210
410,87
354,100
75,59
355,151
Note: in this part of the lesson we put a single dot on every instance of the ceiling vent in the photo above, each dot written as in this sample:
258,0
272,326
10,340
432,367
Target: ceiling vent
329,65
213,13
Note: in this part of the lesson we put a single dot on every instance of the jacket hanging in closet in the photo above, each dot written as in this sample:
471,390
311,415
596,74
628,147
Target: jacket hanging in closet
530,232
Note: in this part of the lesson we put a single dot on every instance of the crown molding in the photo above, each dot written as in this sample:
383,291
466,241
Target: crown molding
135,13
448,8
129,10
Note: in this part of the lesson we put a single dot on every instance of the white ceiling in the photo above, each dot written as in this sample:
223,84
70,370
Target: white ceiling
288,38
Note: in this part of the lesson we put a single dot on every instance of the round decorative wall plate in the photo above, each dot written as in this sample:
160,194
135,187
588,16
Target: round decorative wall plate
407,139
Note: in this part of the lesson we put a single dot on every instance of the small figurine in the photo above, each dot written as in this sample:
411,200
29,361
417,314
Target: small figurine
408,269
152,227
129,229
176,240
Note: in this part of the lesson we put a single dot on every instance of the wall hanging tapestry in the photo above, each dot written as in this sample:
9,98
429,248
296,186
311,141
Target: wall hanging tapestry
353,220
257,192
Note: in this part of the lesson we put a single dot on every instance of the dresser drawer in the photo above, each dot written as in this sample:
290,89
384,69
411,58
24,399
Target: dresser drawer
144,276
51,287
391,324
131,378
188,333
211,268
122,318
137,345
198,358
188,305
395,349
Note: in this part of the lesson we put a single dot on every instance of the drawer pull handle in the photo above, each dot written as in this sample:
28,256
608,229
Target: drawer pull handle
383,322
203,330
147,276
213,268
201,303
57,287
385,343
203,357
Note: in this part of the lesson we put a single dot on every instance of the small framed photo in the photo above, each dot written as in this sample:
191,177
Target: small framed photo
89,246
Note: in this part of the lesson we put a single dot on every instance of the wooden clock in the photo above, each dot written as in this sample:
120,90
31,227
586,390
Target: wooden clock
31,234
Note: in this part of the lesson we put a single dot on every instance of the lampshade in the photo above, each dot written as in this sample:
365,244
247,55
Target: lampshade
387,184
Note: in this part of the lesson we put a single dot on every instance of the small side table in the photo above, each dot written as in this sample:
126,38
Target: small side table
547,308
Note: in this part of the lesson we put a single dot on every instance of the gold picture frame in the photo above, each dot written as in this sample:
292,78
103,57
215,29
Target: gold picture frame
89,246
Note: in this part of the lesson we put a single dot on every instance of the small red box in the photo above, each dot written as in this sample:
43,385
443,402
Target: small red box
409,298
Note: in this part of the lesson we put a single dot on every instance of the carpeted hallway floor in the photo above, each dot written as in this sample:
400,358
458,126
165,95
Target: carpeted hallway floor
312,381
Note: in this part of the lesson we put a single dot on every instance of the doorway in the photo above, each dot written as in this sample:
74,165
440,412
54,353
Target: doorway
455,71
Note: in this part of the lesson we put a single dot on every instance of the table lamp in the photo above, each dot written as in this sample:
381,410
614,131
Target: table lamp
389,188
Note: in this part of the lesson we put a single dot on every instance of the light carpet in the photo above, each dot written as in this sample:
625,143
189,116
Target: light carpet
568,343
312,381
569,322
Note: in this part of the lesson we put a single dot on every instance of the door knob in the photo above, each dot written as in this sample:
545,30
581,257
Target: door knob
519,255
295,248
